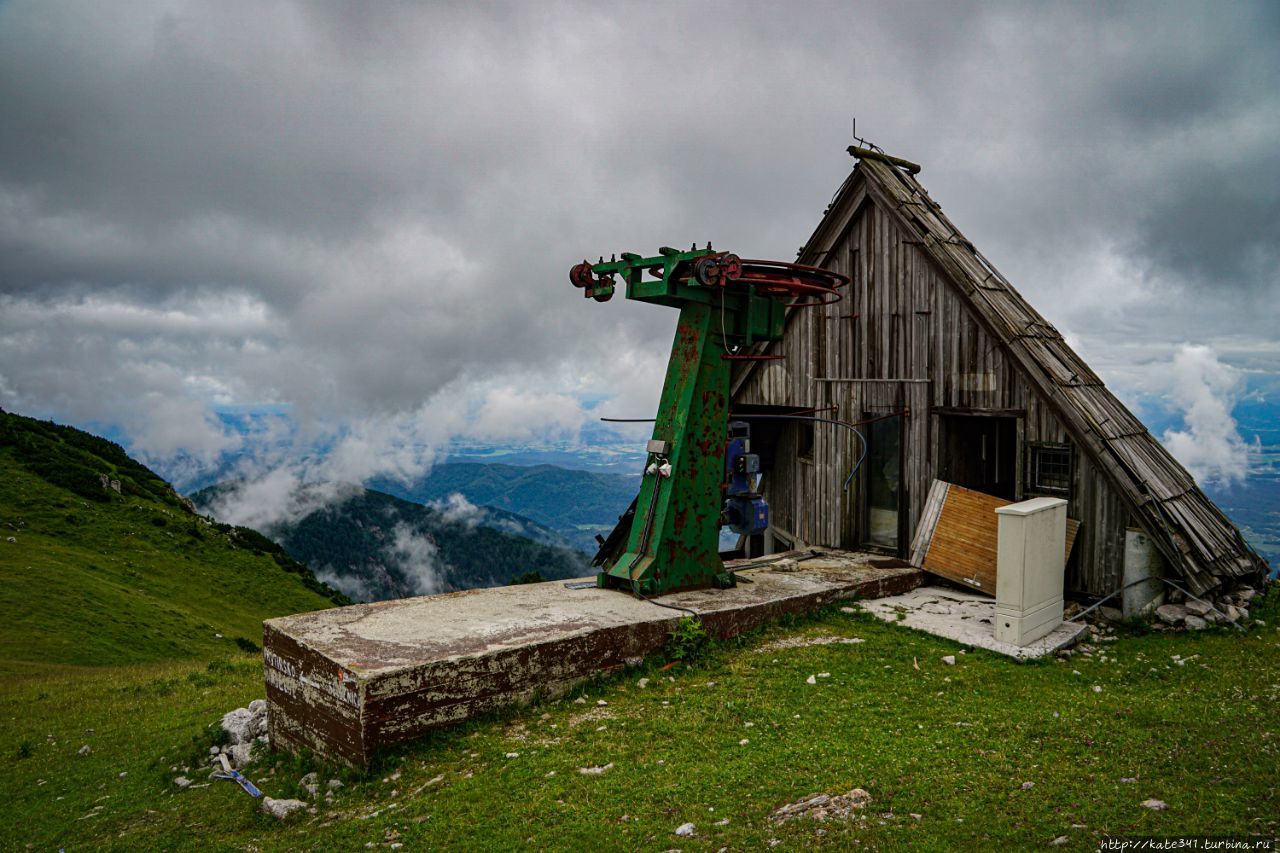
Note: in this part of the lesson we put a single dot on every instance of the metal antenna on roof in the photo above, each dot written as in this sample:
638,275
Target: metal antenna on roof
865,143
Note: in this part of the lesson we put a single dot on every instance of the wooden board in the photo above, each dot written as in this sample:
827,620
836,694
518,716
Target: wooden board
957,536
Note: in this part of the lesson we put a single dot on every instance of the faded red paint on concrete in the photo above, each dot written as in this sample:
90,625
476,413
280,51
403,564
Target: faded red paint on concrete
349,681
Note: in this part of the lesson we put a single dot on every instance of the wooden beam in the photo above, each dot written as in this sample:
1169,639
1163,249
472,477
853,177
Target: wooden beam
970,410
869,154
851,379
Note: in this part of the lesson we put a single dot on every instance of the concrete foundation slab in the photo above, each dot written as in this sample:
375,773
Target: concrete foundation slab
349,681
966,618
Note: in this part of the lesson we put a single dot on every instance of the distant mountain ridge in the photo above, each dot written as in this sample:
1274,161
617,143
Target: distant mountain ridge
374,546
575,503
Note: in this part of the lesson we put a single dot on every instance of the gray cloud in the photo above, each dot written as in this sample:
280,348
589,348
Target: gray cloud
366,213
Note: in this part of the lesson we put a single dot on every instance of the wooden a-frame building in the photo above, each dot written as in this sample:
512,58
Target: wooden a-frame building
958,379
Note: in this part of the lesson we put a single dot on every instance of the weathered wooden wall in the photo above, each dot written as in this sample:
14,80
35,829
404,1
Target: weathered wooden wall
902,339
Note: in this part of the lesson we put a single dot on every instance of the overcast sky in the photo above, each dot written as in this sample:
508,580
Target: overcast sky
363,215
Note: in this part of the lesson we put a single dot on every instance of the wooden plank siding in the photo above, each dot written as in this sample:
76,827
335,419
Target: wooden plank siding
925,325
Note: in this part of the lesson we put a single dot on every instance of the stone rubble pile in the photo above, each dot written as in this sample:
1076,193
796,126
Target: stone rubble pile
1181,612
244,727
1223,607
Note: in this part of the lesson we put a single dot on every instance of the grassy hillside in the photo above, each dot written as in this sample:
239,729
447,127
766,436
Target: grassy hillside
96,577
577,504
984,753
375,547
945,752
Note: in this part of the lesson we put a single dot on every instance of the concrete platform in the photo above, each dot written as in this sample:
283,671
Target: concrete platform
349,681
967,618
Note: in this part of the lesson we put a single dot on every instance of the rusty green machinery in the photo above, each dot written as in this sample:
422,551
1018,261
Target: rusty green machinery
688,491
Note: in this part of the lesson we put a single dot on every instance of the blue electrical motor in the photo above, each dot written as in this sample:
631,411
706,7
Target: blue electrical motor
745,512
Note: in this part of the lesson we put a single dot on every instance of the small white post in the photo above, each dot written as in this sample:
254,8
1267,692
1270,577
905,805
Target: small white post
1142,562
1030,559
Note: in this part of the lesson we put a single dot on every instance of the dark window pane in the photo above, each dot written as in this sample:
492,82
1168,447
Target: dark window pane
1050,469
804,439
884,455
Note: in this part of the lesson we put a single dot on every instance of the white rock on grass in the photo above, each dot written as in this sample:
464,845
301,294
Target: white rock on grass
685,830
239,754
820,807
238,725
1155,805
182,782
596,771
281,809
1199,608
949,660
813,679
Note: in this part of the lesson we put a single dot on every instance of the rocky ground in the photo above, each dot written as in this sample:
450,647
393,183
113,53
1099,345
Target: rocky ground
1194,614
1180,611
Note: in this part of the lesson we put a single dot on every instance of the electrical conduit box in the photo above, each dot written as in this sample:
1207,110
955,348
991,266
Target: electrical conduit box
1030,559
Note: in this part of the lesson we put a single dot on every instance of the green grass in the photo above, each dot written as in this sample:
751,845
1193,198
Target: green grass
129,579
953,744
113,605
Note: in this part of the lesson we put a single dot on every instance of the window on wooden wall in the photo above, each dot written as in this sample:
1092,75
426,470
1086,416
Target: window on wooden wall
804,440
1049,469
